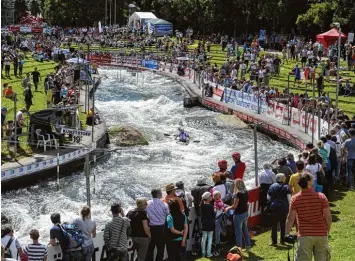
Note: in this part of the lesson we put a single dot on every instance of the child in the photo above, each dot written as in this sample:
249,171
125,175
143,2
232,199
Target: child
36,250
208,222
219,207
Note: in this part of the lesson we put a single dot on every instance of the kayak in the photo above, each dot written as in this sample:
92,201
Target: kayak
183,142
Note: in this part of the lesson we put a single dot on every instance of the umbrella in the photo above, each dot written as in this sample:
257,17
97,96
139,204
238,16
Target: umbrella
77,60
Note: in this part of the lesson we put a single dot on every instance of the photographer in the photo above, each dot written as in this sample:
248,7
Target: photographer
313,219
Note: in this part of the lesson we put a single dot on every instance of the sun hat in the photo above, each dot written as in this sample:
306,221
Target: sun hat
170,187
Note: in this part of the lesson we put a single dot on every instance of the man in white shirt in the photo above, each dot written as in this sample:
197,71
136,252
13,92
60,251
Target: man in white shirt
11,242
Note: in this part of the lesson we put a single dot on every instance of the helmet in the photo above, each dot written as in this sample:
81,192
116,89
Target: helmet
235,155
222,164
181,129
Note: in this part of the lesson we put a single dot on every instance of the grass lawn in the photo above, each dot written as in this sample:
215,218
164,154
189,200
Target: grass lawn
39,102
342,235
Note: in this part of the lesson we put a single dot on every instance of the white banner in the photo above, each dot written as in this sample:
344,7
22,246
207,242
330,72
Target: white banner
75,132
245,100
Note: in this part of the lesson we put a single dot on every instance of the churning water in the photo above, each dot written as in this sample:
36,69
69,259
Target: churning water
154,105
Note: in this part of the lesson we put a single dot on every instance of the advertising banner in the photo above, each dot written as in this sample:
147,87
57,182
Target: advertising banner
37,30
14,29
25,29
164,29
245,100
151,64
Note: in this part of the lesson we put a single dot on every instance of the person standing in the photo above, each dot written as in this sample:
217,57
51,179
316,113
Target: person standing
115,233
170,190
349,147
157,211
283,168
19,122
9,241
3,121
240,207
197,193
20,66
140,228
27,93
7,61
56,233
238,169
279,195
314,221
320,84
291,162
88,227
15,63
294,187
36,251
208,224
266,178
36,78
177,229
313,167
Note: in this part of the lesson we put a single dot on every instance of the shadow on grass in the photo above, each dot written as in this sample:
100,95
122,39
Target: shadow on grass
253,257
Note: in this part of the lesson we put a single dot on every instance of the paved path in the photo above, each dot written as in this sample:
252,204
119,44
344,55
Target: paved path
86,141
194,90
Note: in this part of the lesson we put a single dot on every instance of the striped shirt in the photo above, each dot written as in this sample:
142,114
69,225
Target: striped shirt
309,206
157,211
35,252
115,233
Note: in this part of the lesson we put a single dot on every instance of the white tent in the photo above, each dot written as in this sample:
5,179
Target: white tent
138,19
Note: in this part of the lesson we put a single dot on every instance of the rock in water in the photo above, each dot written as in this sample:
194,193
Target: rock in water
4,219
224,120
126,136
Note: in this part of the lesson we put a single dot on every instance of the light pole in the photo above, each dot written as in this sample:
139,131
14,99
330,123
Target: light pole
338,70
105,12
115,12
110,11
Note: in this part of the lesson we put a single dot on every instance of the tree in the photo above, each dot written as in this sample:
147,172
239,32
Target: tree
319,15
35,8
20,9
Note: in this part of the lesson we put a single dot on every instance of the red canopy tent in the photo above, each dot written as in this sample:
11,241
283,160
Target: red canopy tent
330,37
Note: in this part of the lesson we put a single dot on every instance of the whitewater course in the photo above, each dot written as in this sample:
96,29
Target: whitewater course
153,105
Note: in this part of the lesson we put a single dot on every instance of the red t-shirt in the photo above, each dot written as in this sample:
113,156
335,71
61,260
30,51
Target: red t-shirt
309,206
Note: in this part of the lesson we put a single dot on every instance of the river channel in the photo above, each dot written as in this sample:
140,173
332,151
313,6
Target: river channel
154,105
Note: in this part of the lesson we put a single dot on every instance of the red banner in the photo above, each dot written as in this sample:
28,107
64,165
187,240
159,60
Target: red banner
37,30
254,208
14,29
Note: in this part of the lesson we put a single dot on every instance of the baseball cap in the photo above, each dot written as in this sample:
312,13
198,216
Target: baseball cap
206,195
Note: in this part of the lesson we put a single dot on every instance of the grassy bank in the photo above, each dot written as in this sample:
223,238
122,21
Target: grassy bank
341,241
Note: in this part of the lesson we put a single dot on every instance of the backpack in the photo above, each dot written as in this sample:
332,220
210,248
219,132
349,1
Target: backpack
183,199
235,254
72,234
8,253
